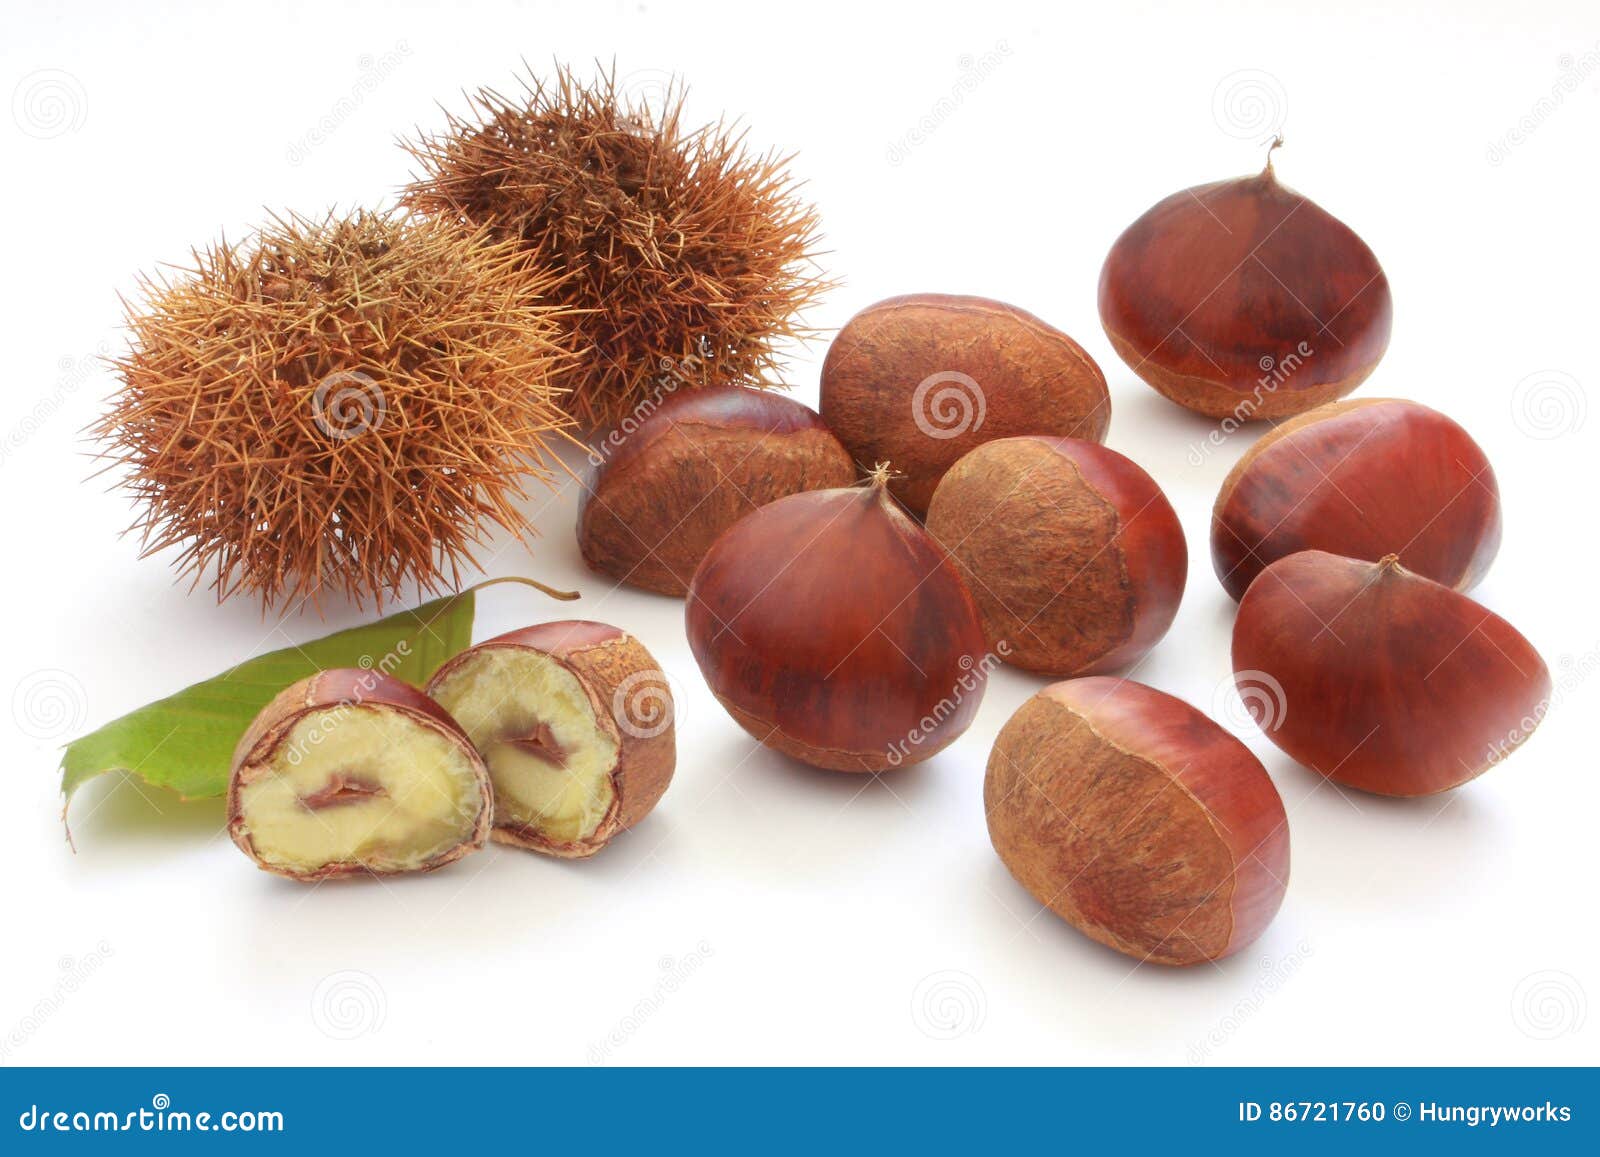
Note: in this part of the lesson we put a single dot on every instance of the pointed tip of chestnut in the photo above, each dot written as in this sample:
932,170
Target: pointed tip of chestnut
1360,478
1273,146
1245,299
1381,679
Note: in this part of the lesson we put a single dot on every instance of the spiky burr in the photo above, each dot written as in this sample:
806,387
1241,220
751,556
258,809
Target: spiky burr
685,259
343,406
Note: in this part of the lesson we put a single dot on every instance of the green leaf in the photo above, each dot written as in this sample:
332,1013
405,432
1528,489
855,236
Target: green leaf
185,742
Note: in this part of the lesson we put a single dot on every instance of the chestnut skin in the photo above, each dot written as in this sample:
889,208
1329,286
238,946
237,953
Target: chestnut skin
1210,294
1074,555
1138,820
1362,478
345,690
1389,682
834,629
692,468
920,380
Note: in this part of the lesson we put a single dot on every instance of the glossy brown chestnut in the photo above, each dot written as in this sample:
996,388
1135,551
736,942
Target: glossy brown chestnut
1382,679
1362,478
575,722
1138,821
665,489
1245,299
835,630
921,380
352,772
1075,557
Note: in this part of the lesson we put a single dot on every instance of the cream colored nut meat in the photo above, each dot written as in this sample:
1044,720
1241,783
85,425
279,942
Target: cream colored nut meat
574,721
353,772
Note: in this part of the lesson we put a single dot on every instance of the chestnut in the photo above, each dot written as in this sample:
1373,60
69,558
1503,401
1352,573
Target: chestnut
351,772
1074,555
1362,478
1390,682
663,490
920,380
1245,299
834,629
575,722
1138,820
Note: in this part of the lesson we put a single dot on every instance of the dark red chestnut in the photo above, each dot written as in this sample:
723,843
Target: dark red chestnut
1362,478
1243,298
665,489
834,629
920,380
1138,821
1389,682
1074,555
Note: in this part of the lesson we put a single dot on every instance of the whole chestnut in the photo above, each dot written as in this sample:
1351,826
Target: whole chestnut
663,490
920,380
350,772
1075,557
1382,679
834,629
574,720
1245,299
1362,478
1138,821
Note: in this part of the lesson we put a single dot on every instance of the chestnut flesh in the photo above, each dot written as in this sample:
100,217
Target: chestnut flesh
1389,682
920,380
574,720
1138,820
1075,557
351,772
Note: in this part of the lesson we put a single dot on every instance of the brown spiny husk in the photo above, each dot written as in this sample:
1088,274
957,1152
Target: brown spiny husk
336,406
687,256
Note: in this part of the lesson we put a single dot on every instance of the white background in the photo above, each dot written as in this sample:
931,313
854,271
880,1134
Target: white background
767,913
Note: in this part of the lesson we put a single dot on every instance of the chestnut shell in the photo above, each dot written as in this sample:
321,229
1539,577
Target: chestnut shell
1076,557
834,629
1363,478
1385,681
920,380
692,468
1138,820
1209,294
